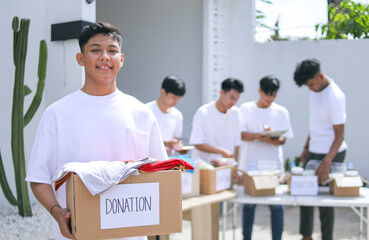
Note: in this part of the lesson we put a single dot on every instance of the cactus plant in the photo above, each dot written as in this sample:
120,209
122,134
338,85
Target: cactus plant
18,120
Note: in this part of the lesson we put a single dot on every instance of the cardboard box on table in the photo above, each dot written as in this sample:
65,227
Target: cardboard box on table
191,183
143,205
260,185
345,186
216,180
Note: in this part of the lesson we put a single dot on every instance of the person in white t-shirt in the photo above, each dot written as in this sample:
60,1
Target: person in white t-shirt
216,125
262,151
325,142
97,122
169,118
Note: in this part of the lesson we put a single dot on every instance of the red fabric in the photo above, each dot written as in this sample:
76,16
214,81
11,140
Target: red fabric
61,181
149,167
166,165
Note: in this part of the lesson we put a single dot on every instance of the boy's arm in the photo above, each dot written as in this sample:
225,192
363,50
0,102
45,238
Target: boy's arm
172,143
323,170
236,150
275,141
45,195
305,151
210,149
248,136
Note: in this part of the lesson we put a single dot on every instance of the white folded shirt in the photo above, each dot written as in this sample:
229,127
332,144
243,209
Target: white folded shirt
98,176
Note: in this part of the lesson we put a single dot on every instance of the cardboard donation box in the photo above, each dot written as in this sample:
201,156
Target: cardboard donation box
303,185
190,183
142,205
345,186
216,180
260,185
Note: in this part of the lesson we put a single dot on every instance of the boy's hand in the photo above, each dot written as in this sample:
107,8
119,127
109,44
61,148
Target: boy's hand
303,155
323,171
62,216
226,154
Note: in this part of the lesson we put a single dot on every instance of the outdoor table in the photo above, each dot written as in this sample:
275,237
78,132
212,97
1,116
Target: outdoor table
323,199
203,212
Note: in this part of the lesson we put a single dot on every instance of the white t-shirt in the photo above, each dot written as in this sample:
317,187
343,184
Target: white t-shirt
327,108
170,123
215,129
83,128
264,155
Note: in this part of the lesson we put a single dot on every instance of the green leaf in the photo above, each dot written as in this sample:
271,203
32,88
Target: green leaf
27,90
266,1
317,27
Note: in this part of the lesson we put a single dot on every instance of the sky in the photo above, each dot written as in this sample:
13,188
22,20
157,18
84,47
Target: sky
297,18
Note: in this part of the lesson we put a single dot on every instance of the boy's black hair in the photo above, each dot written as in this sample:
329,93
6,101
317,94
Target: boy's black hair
93,29
306,70
174,85
232,83
269,84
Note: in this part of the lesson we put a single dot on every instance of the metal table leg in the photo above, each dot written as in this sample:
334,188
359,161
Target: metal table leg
361,232
367,223
224,220
234,220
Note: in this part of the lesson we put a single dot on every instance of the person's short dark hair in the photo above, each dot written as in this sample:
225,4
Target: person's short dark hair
269,84
174,85
232,83
93,29
306,70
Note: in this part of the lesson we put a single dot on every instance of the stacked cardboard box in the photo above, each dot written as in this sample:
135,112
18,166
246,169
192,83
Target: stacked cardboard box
216,180
191,183
345,186
260,185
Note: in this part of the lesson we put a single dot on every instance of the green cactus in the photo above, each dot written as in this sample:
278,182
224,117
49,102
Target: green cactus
18,120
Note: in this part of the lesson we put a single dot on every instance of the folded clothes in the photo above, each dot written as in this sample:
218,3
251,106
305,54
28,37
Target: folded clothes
98,176
166,165
186,158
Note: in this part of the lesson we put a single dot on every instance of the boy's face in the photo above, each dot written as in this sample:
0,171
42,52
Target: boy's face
102,59
317,83
266,99
229,99
170,99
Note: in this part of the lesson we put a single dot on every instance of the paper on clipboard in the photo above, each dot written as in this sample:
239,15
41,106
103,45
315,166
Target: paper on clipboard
187,148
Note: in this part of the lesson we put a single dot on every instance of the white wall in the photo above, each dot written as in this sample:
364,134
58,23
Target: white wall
160,38
63,74
166,37
343,60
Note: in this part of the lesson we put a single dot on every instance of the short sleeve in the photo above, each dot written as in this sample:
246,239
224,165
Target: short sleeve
197,133
337,110
43,159
237,122
287,124
156,145
179,127
243,118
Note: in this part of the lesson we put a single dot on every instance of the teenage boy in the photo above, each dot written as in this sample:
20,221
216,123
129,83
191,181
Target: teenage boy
216,125
169,118
325,141
97,122
259,149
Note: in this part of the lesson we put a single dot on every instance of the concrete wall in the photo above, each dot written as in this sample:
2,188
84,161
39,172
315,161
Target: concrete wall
160,38
63,74
343,60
